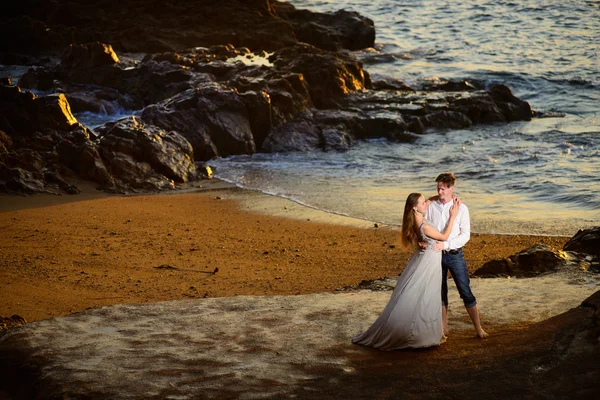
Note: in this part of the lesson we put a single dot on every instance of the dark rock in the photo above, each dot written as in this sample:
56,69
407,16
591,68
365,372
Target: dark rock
569,367
329,31
514,109
32,126
533,261
18,180
38,79
389,83
136,26
336,139
214,119
206,85
88,56
54,178
145,156
80,154
23,113
151,82
447,120
260,111
100,100
126,85
393,128
301,134
585,241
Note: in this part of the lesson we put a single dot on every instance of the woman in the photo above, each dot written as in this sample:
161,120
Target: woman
413,316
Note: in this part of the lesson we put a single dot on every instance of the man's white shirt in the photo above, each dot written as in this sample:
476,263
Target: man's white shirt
439,214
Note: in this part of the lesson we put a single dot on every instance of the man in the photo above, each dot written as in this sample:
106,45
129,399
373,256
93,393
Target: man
452,254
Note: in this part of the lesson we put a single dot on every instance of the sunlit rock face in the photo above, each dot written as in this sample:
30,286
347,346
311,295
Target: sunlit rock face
330,76
90,55
31,126
24,113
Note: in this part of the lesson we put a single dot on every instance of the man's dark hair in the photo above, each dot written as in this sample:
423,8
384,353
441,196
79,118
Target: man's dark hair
447,178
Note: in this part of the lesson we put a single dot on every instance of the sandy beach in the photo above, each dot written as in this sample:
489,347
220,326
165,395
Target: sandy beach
263,316
64,254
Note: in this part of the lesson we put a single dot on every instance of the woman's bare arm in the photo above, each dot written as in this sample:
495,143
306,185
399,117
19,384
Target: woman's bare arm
437,235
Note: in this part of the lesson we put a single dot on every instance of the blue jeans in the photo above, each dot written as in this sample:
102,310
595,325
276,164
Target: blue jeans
458,269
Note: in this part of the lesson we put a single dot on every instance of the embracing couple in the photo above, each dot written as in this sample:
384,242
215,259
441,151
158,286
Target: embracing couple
417,315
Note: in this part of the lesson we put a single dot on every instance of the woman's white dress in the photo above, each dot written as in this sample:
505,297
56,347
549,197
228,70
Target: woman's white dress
413,316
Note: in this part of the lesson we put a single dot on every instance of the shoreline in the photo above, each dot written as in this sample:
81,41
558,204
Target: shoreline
68,256
252,200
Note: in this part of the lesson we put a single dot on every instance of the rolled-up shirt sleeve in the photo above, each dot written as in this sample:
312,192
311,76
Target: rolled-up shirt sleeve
464,227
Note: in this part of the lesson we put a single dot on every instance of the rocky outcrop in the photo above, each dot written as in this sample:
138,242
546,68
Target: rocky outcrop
585,241
581,252
339,30
213,118
41,141
529,262
30,126
330,76
145,156
569,368
246,77
131,26
586,246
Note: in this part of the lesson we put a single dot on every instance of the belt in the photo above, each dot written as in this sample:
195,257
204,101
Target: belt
453,251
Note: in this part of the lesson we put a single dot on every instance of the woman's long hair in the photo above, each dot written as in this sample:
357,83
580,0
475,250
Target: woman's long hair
409,233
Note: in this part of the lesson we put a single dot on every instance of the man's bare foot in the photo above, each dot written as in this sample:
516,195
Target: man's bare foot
482,334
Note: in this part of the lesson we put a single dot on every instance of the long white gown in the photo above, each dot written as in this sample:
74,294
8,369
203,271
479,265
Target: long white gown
413,316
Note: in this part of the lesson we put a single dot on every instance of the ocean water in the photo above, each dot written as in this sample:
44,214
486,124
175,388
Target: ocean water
536,177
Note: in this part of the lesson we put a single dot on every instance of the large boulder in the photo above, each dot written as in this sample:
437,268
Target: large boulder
513,108
145,156
78,152
24,113
585,241
88,56
30,127
330,76
533,261
329,31
300,134
569,369
37,78
214,119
